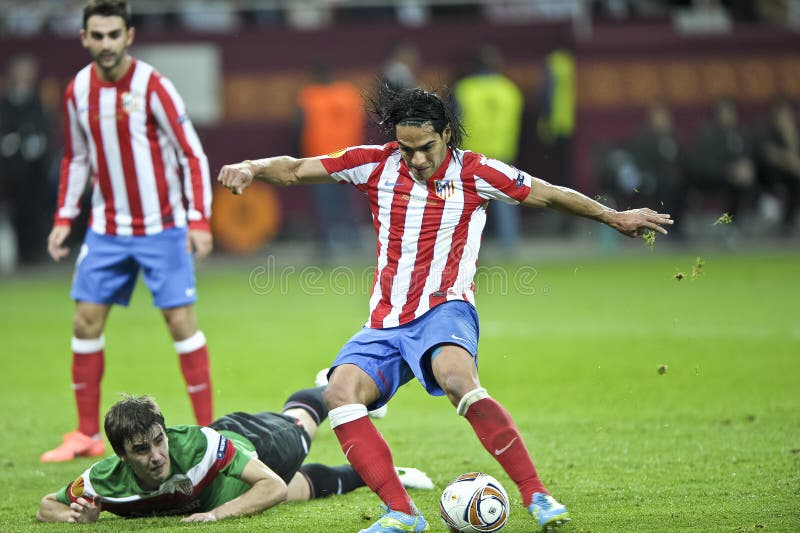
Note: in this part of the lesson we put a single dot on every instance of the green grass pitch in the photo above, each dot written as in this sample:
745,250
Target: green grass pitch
573,352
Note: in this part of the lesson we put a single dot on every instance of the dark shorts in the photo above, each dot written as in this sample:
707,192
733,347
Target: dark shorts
281,442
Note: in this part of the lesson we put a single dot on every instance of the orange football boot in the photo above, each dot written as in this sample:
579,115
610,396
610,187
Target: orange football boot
75,444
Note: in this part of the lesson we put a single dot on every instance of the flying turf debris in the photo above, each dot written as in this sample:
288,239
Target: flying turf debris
649,237
725,218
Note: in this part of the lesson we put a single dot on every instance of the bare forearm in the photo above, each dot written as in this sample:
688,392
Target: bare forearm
52,510
262,495
573,202
280,170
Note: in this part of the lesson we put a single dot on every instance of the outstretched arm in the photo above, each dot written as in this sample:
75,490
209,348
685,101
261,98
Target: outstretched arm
281,170
266,490
82,511
631,223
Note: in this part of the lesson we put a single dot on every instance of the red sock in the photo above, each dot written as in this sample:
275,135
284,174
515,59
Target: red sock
498,434
88,363
193,354
368,453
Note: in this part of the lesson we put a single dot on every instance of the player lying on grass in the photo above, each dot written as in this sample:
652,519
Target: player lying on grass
428,200
241,464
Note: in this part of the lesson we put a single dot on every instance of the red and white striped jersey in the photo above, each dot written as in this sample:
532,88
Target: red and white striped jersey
429,233
133,137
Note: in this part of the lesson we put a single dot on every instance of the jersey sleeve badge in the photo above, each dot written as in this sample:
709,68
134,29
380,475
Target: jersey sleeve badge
76,489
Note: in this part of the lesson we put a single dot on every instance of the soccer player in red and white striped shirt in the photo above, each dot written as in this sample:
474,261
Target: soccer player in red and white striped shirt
127,128
428,200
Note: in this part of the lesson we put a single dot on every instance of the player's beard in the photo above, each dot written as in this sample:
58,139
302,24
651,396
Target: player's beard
108,61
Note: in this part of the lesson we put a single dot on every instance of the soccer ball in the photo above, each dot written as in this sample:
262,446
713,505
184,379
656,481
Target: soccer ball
474,502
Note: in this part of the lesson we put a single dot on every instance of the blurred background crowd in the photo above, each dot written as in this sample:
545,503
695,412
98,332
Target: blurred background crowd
688,107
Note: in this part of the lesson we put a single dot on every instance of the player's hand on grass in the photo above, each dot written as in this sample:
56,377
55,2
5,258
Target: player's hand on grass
634,222
200,517
200,242
237,177
84,511
55,242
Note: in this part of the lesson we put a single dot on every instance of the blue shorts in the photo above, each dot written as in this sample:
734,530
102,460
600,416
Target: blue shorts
392,356
107,267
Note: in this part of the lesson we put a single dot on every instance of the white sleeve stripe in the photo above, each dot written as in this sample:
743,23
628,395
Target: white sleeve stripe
78,170
199,471
88,489
366,172
483,187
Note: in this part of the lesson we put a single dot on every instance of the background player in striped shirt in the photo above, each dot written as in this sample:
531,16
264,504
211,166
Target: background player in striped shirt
127,127
428,200
241,464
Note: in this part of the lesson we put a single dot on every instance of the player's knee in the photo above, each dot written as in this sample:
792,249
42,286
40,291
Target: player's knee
455,371
350,385
455,386
333,397
337,396
309,400
181,322
86,326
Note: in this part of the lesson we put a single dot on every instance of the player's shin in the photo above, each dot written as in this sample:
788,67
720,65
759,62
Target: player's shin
368,452
326,480
88,362
501,438
193,353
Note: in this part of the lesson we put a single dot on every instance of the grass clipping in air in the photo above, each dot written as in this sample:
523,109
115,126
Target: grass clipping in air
697,270
725,218
649,237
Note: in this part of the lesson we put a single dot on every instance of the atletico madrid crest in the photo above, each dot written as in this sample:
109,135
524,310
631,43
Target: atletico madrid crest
132,102
444,188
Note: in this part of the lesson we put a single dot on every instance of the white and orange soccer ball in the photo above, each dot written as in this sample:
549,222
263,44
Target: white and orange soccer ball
474,502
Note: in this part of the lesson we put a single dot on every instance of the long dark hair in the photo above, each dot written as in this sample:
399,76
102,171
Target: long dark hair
413,106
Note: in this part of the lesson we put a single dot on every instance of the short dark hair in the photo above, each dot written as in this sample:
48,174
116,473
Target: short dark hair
413,106
108,8
131,417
